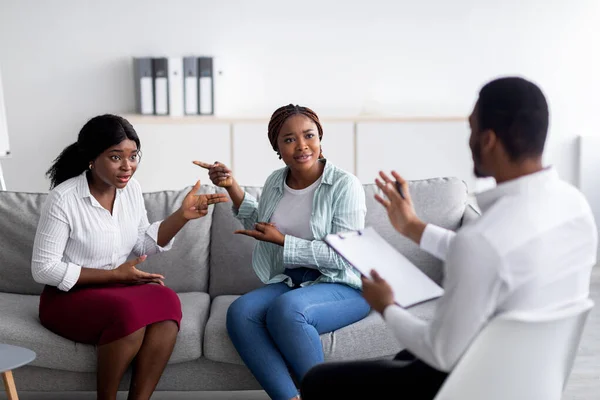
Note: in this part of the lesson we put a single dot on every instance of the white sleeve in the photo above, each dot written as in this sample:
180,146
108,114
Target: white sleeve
49,245
147,241
436,241
471,288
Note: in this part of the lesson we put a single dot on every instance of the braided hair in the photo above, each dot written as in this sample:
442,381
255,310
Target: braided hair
282,114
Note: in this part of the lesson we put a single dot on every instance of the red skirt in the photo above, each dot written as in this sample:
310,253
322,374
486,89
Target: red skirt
102,314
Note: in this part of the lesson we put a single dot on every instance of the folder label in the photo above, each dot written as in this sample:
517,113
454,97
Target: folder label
206,99
147,98
191,95
176,86
190,68
161,86
205,85
144,88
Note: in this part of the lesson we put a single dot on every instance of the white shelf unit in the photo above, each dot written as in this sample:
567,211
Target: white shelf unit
418,147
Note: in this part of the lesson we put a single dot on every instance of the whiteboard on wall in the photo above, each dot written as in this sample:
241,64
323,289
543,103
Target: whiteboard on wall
4,145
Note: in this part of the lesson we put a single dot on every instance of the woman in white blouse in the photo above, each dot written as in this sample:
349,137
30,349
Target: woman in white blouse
93,219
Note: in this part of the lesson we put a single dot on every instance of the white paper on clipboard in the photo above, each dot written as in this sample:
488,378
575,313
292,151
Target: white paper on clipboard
366,250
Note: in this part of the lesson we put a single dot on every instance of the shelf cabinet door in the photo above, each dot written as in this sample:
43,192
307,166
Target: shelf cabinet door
253,157
338,144
416,150
168,152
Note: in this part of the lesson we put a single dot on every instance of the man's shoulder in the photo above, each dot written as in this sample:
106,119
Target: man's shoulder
573,197
474,243
475,233
515,220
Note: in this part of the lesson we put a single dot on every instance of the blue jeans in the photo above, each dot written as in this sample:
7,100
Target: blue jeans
276,326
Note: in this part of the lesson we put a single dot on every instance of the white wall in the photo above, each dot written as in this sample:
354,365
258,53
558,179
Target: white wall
64,61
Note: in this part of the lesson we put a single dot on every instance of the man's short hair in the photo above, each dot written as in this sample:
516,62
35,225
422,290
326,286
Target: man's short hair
517,111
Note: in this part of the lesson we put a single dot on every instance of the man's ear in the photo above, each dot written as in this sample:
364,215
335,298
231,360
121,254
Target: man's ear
489,140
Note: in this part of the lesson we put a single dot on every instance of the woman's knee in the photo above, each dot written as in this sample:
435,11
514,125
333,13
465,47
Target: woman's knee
134,339
137,336
166,326
285,310
168,297
239,312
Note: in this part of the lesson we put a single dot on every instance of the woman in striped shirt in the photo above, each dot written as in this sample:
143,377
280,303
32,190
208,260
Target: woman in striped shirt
93,219
310,289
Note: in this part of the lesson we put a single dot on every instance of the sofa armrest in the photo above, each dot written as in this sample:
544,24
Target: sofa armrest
471,214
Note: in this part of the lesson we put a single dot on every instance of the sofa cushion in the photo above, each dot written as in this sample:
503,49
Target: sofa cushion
440,201
19,215
231,270
21,327
365,339
185,266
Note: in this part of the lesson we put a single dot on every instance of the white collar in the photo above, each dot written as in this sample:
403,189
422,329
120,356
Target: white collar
524,183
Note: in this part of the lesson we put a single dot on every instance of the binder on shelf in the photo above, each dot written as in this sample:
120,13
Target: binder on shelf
190,68
160,73
176,86
144,89
205,86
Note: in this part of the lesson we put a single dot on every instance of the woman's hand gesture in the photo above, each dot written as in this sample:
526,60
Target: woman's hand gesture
196,205
218,173
128,273
264,231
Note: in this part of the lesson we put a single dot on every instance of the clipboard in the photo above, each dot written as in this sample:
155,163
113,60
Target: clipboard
366,250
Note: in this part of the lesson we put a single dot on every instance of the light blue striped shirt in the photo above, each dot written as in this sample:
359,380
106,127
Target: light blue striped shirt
338,205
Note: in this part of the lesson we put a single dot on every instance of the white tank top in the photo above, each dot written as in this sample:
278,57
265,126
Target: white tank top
292,215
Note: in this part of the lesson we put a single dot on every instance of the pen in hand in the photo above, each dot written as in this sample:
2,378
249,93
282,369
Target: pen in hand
399,188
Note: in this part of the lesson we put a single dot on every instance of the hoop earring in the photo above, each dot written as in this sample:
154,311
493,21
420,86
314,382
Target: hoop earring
91,166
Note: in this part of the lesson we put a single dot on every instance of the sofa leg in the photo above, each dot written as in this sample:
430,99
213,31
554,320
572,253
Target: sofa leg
9,385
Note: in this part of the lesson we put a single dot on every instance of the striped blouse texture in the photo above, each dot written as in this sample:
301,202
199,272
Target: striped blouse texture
75,231
339,205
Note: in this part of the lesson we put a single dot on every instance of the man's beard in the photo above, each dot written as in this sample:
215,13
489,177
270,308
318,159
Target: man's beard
476,151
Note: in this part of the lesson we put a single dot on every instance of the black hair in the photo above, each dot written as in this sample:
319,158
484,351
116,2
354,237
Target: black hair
97,135
517,111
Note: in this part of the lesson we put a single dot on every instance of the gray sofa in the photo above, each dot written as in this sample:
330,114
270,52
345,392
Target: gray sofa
209,268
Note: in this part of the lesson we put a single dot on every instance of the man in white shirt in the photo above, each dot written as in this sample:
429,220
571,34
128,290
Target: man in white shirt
533,248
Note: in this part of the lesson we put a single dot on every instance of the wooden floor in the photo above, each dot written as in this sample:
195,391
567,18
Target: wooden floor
584,383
